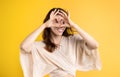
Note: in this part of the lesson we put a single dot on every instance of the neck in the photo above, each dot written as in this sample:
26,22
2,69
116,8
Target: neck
56,39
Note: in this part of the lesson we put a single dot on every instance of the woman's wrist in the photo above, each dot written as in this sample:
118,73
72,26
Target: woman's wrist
72,24
46,24
43,26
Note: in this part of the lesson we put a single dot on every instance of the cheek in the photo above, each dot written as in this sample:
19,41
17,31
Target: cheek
53,29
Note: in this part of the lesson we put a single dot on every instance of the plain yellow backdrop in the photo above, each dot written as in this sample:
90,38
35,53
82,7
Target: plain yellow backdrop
100,18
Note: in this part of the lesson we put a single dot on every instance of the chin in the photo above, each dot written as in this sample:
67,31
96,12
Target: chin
60,34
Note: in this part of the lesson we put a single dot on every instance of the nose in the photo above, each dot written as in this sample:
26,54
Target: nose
61,25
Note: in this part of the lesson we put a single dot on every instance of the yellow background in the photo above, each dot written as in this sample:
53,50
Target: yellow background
101,19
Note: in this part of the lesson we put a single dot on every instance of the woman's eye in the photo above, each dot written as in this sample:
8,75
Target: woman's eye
63,22
56,21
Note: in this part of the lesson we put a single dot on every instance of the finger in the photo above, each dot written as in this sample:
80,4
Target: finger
63,13
65,18
56,12
53,12
67,25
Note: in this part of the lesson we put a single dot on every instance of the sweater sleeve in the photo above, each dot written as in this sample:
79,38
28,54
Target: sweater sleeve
26,62
86,58
35,64
31,67
29,48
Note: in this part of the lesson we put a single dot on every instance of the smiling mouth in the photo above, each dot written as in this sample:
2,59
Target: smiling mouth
60,29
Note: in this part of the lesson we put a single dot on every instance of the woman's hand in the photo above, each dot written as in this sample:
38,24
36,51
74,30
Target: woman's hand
53,14
69,22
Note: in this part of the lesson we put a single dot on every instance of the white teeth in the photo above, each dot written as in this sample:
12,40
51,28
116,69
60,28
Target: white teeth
60,30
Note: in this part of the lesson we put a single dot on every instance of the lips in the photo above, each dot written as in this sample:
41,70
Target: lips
61,29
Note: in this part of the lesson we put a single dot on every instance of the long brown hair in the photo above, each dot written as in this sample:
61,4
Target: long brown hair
50,46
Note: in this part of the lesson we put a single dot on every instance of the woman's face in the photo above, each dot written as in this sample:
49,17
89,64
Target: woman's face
58,26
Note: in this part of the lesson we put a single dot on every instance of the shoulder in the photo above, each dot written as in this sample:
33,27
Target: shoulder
72,39
75,37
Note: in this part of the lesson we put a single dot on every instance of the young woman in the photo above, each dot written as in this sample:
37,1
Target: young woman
61,52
